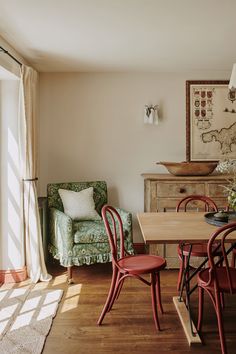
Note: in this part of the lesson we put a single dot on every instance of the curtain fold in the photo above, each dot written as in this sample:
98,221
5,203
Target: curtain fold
28,158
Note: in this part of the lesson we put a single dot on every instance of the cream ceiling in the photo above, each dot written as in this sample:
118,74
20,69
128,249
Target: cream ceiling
122,35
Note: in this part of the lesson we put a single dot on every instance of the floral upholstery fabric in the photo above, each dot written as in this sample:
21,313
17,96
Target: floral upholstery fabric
82,242
99,193
89,232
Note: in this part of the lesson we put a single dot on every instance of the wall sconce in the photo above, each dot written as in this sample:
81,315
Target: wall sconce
232,83
151,114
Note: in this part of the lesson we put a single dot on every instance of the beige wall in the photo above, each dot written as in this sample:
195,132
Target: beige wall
91,128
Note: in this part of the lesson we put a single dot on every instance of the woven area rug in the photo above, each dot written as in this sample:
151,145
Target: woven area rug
26,316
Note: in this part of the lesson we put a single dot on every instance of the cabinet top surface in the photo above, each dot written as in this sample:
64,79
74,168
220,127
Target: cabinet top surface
168,176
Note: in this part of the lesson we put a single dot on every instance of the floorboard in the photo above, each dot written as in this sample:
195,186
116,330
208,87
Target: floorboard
129,327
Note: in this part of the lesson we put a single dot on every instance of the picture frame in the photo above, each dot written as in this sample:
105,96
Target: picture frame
210,120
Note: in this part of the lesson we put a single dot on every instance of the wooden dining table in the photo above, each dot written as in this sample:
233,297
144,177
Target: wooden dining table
171,228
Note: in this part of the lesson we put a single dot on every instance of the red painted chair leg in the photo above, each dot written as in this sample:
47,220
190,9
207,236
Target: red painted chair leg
109,297
220,323
119,289
222,300
158,288
200,308
233,260
116,292
154,301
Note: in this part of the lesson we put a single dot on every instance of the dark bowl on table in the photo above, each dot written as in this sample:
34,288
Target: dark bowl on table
221,216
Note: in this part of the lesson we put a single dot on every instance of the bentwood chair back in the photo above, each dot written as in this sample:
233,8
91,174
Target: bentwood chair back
218,278
125,265
198,249
207,202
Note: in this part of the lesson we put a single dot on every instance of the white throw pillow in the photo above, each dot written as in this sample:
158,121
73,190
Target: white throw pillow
79,205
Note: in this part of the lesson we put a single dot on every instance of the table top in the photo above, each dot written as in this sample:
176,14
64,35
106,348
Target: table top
174,227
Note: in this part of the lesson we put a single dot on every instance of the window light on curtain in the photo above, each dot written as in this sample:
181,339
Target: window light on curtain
27,122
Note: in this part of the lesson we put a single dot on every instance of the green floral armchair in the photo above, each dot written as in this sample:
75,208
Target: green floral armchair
81,242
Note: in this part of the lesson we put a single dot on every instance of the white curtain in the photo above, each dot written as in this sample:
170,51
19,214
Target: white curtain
27,129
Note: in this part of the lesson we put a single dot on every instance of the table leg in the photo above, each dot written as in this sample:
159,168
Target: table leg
185,321
187,292
184,309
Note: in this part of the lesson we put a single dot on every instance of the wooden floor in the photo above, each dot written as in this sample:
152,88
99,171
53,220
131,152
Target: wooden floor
129,327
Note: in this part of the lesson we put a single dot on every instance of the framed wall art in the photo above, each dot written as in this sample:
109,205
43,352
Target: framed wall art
210,121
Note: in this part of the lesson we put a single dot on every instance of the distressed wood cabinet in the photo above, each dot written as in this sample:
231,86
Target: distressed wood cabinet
162,192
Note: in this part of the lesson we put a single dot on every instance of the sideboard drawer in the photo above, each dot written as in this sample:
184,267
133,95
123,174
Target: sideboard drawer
179,190
221,203
217,190
164,204
170,204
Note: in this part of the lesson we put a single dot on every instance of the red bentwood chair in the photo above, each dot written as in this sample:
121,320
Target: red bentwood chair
198,249
217,278
125,265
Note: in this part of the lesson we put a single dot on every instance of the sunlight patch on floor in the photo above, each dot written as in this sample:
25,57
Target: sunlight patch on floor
47,311
60,279
71,299
22,320
18,311
30,304
18,292
3,326
8,311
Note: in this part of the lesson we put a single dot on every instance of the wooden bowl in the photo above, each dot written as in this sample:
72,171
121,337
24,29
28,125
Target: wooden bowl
189,168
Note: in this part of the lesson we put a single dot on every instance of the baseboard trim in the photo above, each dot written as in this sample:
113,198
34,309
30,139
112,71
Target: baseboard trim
140,248
13,275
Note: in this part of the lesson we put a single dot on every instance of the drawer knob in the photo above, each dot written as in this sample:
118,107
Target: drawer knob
182,190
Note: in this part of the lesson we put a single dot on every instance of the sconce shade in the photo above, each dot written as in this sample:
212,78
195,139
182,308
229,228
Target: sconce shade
232,83
151,114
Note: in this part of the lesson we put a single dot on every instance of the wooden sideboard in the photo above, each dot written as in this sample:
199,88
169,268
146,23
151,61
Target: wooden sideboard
162,192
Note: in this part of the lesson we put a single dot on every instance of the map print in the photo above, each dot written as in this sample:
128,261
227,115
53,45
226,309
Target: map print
226,137
212,122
